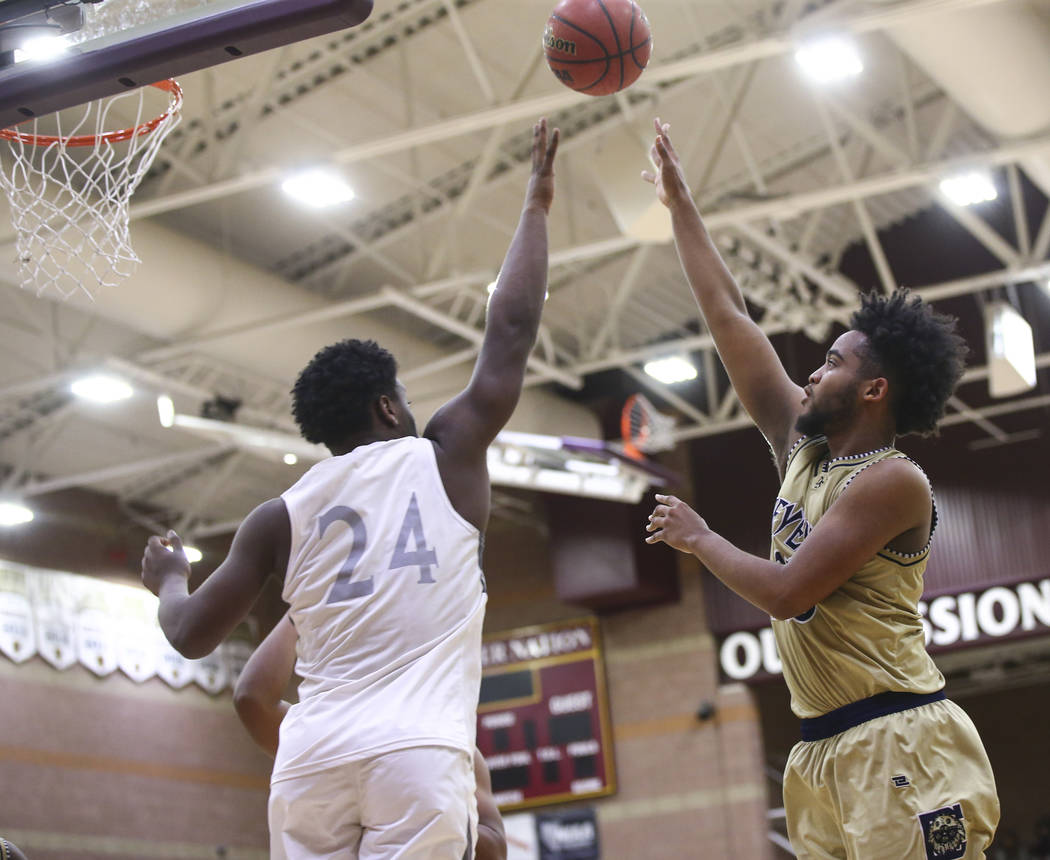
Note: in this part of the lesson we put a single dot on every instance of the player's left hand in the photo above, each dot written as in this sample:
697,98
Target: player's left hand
163,557
540,192
674,523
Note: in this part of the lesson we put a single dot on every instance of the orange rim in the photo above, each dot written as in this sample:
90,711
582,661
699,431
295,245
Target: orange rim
629,448
174,106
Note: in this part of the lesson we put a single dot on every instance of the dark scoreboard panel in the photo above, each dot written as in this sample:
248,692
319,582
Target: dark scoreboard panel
543,715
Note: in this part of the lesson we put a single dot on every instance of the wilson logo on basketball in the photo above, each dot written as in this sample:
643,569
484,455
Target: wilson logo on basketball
553,43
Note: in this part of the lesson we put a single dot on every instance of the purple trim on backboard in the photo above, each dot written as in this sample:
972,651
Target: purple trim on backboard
36,89
598,446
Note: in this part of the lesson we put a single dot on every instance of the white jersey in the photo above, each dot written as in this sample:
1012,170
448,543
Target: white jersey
387,595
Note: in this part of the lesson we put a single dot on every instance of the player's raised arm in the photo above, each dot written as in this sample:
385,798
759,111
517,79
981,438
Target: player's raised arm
196,623
257,697
463,428
756,372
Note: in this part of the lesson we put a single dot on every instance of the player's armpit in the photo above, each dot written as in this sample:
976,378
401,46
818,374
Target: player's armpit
889,499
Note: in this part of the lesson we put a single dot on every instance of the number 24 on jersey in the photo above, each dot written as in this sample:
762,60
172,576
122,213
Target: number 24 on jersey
422,556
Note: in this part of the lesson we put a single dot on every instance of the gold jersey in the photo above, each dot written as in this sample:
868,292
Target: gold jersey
865,637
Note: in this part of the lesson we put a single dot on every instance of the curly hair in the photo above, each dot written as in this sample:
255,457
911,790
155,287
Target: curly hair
332,396
917,349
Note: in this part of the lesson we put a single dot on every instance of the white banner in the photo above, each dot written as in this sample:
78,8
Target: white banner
17,631
95,627
210,672
174,669
52,600
105,626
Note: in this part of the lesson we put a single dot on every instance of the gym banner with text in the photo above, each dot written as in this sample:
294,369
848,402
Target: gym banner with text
951,622
67,619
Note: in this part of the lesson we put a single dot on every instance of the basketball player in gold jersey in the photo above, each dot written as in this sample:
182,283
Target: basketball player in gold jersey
888,768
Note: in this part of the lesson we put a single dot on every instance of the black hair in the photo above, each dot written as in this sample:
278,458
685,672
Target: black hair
332,397
917,349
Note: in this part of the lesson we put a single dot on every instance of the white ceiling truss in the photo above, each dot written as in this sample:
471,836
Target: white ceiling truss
788,177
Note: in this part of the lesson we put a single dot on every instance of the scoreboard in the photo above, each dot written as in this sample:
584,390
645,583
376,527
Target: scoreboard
543,715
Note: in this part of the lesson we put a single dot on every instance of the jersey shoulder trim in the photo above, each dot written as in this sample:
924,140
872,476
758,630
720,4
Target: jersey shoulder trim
905,559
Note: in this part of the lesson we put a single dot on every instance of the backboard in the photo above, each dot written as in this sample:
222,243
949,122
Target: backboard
126,44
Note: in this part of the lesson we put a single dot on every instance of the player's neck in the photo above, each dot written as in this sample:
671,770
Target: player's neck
859,439
368,437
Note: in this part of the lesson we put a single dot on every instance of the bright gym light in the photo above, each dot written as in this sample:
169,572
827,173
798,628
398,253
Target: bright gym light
669,370
193,554
966,189
318,188
829,59
166,411
290,459
101,388
41,48
14,514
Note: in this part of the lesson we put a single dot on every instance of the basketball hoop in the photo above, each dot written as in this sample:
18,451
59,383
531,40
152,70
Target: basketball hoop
644,429
69,194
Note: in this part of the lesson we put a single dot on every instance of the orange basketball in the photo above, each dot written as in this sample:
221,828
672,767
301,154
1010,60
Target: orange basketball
597,47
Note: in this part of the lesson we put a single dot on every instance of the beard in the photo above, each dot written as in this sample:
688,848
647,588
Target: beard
828,417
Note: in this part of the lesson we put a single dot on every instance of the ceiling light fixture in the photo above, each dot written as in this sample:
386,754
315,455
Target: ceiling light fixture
193,555
674,368
829,59
166,411
290,459
14,514
318,188
101,388
967,189
41,48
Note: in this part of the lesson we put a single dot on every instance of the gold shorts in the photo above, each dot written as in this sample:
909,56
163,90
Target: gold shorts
913,785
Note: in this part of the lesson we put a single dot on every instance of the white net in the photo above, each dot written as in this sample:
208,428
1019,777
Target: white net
68,190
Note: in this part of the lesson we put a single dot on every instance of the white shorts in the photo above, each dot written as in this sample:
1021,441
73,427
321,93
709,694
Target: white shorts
408,804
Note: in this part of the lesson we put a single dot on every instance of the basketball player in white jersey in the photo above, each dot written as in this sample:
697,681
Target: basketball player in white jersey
259,700
888,768
378,549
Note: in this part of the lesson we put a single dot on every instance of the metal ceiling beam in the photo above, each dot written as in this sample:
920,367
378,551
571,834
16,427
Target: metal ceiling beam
475,335
124,470
745,52
1006,408
871,238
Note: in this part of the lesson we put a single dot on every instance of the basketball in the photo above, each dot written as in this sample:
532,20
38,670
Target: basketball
598,47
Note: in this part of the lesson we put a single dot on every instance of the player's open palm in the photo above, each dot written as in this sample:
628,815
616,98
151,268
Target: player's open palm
674,523
541,183
668,178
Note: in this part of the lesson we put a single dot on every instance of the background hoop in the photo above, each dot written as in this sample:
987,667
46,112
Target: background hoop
644,428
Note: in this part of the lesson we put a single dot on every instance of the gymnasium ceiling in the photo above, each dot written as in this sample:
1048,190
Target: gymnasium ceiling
426,110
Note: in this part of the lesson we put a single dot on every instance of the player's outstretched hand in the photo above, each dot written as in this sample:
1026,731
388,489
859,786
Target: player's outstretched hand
674,523
163,557
541,182
671,187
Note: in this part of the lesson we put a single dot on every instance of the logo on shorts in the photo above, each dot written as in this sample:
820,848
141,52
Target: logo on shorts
899,781
944,833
